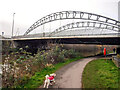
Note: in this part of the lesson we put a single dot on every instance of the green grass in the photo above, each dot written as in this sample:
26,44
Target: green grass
100,74
39,77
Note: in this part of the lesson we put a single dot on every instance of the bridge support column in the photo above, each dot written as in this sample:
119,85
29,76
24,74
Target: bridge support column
118,50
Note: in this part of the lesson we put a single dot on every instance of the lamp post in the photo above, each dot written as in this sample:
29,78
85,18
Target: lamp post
13,24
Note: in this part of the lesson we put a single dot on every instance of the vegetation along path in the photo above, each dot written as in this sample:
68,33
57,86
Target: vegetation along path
70,76
102,74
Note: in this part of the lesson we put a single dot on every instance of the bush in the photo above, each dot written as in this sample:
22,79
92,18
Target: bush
118,55
16,66
21,65
71,53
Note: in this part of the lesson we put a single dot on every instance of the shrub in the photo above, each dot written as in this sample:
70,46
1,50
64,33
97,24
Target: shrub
118,55
71,53
16,66
21,65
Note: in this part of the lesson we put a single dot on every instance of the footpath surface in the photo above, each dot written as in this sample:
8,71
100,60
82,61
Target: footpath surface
70,76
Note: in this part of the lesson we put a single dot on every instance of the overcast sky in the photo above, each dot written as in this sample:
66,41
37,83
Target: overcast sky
29,11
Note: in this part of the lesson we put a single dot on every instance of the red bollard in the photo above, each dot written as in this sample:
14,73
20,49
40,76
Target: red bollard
105,53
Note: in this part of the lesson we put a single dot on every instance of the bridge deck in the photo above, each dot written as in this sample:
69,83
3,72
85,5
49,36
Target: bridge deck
65,37
102,39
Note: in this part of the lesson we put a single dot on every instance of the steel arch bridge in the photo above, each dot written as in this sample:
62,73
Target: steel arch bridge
85,24
98,19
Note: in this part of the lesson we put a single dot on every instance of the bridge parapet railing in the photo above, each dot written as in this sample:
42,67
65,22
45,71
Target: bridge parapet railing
85,35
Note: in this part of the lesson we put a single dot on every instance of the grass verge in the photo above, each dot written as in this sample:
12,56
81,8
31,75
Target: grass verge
100,74
39,77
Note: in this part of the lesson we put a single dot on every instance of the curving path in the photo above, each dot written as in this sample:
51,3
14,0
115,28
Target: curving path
70,76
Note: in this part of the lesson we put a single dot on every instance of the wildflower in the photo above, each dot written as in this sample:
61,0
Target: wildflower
6,58
26,46
15,63
21,49
26,67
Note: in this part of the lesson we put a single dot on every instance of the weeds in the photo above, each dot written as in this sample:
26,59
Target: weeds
19,66
39,77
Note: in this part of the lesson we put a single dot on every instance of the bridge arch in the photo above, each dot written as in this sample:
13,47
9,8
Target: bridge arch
72,15
84,25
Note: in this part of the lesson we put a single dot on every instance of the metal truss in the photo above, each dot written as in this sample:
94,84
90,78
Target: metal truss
72,15
85,24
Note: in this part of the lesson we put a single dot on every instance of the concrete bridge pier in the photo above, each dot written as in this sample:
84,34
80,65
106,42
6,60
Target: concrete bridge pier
118,50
